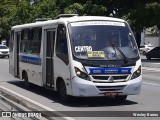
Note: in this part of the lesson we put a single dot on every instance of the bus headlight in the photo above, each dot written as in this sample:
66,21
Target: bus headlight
81,74
137,73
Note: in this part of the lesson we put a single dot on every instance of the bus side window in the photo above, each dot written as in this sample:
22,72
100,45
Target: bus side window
36,40
61,44
25,38
61,40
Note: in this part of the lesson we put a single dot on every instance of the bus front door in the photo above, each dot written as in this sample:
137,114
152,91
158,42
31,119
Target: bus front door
50,34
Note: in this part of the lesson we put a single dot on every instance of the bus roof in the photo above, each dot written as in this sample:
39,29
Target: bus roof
67,20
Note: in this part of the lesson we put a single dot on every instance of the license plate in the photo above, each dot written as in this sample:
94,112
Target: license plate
111,93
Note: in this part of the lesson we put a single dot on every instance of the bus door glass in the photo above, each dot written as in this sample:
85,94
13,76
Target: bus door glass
16,54
17,51
49,57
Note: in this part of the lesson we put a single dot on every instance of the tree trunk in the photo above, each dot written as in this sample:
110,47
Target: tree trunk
138,38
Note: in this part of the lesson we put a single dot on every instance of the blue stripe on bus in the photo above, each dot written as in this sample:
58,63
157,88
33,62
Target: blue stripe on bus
31,60
110,71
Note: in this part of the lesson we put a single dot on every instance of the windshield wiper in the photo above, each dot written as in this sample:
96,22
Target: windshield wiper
120,51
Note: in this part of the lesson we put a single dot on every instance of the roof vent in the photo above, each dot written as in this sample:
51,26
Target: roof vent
42,19
65,15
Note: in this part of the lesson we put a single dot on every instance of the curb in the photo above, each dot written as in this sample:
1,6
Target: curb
32,105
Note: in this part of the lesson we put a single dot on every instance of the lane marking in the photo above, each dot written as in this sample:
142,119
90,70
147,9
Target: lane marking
150,76
151,84
36,103
151,69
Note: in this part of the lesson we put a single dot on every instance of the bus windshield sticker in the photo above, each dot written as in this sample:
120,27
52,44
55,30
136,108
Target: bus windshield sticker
83,48
96,54
97,23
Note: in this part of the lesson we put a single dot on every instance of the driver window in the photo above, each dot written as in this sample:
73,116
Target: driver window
61,44
61,40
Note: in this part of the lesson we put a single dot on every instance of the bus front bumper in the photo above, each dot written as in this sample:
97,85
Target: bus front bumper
86,88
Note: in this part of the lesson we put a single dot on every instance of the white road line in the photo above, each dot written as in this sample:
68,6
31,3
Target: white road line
150,76
151,69
36,103
151,84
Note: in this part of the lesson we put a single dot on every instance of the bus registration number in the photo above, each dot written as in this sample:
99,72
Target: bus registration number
111,93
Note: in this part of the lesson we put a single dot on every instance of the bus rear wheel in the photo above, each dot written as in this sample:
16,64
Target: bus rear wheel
63,92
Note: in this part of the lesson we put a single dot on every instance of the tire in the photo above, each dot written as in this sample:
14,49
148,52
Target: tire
121,98
25,78
148,57
144,53
63,92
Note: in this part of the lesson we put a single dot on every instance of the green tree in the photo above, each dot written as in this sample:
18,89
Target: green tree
7,8
62,4
75,8
139,14
94,9
86,8
23,13
45,9
144,16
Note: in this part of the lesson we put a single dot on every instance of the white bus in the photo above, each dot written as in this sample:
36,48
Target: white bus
82,56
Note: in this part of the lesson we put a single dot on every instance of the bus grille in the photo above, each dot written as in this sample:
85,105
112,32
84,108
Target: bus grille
111,88
105,79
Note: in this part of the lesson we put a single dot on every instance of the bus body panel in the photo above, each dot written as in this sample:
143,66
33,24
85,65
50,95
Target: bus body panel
62,71
33,70
36,65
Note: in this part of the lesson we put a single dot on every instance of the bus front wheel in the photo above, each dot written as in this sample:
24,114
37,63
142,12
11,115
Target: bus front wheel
63,92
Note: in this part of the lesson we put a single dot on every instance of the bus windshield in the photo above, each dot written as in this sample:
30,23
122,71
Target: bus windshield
102,40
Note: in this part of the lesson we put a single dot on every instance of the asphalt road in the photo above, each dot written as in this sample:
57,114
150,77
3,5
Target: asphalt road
148,100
